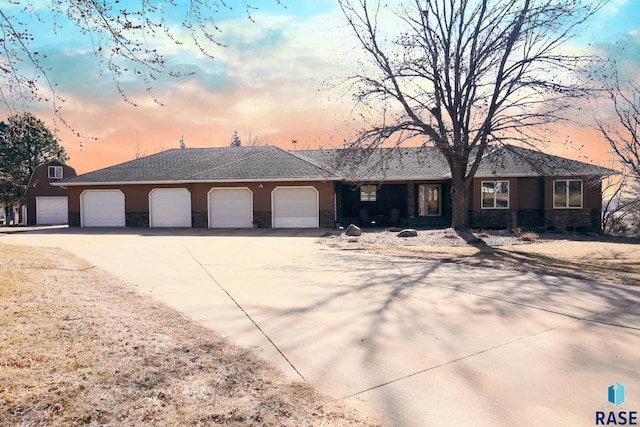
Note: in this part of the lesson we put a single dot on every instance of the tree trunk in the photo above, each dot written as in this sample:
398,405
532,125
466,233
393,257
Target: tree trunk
459,190
8,214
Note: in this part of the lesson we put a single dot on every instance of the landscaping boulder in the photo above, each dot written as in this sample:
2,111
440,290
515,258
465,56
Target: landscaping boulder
353,230
408,232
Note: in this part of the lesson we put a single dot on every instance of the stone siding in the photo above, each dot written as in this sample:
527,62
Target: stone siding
199,219
262,219
136,219
507,219
327,219
570,219
74,219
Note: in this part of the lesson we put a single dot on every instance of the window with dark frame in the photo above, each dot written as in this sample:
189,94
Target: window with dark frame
429,200
55,172
495,194
368,193
567,194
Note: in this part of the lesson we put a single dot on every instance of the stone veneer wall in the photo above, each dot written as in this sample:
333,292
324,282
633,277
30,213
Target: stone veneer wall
136,219
411,200
199,219
262,218
558,219
494,218
327,219
568,219
507,219
74,219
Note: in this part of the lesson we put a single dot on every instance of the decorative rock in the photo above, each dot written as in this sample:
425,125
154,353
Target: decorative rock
408,232
353,230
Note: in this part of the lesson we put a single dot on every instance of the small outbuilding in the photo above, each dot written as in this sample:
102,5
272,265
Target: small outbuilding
48,204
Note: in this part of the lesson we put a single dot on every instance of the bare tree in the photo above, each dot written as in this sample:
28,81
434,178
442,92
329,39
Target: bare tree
251,140
125,37
621,205
462,74
622,133
138,153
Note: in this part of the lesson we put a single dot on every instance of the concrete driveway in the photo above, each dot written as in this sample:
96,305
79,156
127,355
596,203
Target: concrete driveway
409,343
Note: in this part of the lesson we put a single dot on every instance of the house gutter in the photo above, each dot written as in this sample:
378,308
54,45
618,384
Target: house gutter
344,179
190,181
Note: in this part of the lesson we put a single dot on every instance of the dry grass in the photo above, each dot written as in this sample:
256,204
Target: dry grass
605,262
602,261
80,347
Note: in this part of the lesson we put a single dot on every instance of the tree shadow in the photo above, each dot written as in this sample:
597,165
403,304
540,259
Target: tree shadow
392,319
625,272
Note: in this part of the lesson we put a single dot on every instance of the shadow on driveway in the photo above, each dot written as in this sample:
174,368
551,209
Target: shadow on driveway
411,342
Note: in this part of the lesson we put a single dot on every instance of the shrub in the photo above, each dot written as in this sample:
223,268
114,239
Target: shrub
529,236
483,234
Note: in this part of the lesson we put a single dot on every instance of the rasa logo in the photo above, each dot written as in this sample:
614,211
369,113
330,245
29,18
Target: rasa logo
615,395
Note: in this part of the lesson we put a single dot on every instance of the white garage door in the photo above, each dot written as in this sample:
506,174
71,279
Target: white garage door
170,207
51,210
230,208
295,207
102,208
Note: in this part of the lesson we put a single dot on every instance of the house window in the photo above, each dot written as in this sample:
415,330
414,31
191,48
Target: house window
567,193
368,193
495,194
429,200
55,172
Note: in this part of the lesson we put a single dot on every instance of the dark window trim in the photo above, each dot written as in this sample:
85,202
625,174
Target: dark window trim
52,172
495,204
371,193
439,186
568,195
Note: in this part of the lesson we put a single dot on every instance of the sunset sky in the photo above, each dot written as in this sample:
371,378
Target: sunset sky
270,82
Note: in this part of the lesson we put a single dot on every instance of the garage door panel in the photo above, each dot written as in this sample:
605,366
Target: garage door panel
102,208
293,222
230,208
170,207
52,210
295,207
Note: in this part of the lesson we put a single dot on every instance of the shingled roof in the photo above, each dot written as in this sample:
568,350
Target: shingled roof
208,164
266,163
509,160
427,163
389,164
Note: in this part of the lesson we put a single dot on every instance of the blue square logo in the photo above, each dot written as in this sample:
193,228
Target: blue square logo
616,394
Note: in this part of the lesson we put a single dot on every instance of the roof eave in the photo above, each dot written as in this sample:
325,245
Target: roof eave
550,175
203,181
396,179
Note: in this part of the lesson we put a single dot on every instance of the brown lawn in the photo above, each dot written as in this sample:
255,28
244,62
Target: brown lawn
616,261
81,347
